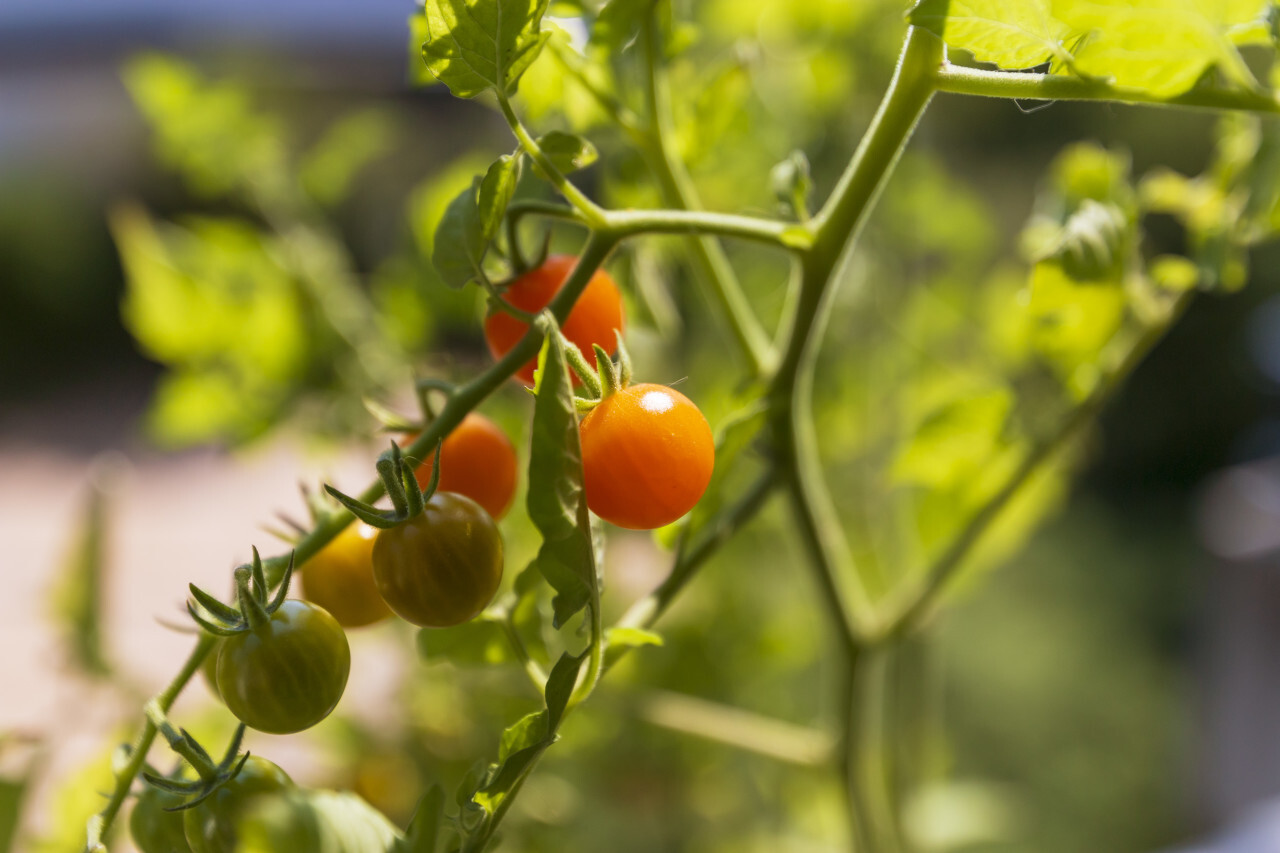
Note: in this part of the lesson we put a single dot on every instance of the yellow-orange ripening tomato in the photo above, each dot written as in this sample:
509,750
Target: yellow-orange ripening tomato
339,578
441,567
479,461
647,456
595,316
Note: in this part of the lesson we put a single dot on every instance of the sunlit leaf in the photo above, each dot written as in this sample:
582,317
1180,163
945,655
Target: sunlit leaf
1161,46
1013,34
473,46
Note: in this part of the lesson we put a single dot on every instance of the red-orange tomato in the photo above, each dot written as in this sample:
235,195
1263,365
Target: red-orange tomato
647,456
339,578
479,461
595,316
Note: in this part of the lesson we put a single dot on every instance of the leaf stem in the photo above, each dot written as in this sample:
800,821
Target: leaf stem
100,823
1061,87
591,212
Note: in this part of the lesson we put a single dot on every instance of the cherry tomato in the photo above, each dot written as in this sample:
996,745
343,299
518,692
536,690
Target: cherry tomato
339,578
442,567
479,461
287,675
647,456
155,830
595,316
212,826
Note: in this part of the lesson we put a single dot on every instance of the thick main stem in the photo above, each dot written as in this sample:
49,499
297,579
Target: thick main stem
835,229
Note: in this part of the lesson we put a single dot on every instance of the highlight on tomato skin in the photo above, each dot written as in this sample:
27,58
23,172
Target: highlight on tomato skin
647,456
594,318
339,578
479,461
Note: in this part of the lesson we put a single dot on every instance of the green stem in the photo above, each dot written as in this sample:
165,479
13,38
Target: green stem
710,262
100,823
592,214
1062,87
772,232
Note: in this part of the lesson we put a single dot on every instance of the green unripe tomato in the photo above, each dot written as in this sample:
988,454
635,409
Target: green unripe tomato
287,674
213,826
155,830
441,567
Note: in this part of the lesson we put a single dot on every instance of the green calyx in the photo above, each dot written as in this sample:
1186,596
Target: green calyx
401,484
254,608
608,378
211,776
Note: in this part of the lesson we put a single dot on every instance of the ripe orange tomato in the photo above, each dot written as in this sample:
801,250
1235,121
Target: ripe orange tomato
339,578
477,460
595,316
647,456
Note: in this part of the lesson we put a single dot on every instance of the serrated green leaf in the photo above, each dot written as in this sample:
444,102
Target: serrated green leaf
556,501
496,190
459,244
1162,47
567,151
1013,34
473,46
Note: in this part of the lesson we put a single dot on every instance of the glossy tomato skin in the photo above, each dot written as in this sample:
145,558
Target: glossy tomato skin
212,826
479,461
647,456
339,578
287,675
442,567
595,316
155,830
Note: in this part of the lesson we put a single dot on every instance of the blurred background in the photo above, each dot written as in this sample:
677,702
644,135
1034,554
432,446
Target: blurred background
215,237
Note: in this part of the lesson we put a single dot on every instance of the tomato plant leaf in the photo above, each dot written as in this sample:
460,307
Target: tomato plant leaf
568,151
1163,47
522,743
556,500
496,190
1013,34
459,245
473,46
